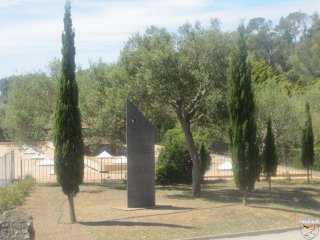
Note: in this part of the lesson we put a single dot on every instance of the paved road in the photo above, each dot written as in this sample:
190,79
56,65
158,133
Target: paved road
291,235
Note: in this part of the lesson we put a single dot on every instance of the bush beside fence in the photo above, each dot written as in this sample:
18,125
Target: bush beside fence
15,194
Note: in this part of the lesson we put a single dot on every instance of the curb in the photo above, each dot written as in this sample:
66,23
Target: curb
243,234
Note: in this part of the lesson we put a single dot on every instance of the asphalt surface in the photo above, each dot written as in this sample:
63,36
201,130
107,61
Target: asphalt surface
281,234
291,235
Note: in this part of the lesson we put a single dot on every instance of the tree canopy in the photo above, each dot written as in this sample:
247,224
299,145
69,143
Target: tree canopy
178,71
161,70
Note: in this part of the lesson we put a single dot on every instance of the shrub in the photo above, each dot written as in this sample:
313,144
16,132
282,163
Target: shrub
205,159
316,164
166,172
174,164
14,195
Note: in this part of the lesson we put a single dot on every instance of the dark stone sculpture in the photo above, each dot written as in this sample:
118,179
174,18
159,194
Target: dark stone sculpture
141,161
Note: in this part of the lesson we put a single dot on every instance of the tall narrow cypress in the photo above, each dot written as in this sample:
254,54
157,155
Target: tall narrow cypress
269,156
68,142
307,151
242,125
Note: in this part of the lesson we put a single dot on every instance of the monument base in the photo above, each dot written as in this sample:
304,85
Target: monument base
155,207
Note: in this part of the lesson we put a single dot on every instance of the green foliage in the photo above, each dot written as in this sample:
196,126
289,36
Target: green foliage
166,173
101,100
68,142
205,159
4,87
107,86
262,73
269,155
296,162
291,47
242,125
265,44
307,151
162,66
292,26
29,107
311,95
156,69
305,59
174,164
285,112
316,163
167,65
15,194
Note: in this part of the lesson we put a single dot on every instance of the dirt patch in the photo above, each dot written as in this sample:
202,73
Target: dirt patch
219,211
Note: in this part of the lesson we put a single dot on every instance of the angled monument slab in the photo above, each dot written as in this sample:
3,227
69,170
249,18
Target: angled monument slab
141,161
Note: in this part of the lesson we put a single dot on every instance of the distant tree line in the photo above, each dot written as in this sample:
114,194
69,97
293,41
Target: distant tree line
181,78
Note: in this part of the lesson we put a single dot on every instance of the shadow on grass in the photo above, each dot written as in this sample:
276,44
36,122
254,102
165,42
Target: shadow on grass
130,224
218,183
118,185
91,184
169,207
281,196
178,187
48,184
287,197
92,191
287,210
224,196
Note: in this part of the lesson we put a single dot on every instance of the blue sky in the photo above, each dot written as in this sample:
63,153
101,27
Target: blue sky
30,30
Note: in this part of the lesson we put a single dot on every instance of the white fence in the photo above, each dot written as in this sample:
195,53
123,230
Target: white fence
95,169
7,169
114,168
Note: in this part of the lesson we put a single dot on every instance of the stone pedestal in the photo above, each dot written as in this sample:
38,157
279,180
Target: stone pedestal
16,225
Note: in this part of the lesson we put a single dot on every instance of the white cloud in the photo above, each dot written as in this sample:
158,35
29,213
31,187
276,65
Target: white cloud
102,27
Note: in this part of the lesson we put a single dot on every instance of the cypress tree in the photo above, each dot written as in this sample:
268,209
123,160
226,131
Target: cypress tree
269,156
242,125
68,142
307,152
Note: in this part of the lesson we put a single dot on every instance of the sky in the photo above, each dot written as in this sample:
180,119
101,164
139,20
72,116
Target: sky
30,30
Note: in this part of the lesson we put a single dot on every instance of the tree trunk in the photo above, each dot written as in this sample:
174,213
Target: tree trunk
71,208
308,174
196,172
244,198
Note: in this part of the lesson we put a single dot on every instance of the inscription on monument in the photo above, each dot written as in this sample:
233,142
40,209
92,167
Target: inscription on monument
140,155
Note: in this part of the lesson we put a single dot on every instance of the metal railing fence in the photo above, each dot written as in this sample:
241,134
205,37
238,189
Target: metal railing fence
95,170
115,168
